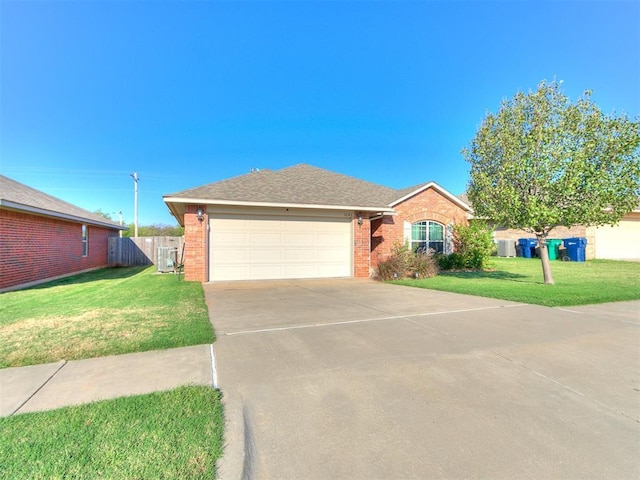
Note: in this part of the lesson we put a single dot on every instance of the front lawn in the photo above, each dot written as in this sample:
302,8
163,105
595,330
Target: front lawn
104,312
520,280
169,435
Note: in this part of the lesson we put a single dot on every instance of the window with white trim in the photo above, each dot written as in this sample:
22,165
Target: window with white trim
427,236
85,241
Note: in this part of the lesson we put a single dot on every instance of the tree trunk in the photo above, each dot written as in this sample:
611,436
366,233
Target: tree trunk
544,258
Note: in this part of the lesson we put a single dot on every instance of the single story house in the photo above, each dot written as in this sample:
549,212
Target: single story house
306,222
43,237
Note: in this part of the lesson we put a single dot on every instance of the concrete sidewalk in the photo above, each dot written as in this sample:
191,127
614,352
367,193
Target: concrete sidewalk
54,385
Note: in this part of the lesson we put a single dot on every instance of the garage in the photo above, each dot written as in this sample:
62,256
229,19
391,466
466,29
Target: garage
621,242
292,244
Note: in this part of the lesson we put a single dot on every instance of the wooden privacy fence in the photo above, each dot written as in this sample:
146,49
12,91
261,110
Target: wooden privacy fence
138,251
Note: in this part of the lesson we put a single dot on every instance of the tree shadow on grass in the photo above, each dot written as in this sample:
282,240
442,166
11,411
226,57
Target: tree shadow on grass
494,275
109,273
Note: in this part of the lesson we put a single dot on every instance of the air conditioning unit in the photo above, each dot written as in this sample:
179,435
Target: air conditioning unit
506,248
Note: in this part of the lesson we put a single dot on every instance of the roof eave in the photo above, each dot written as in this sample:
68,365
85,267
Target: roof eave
172,203
64,216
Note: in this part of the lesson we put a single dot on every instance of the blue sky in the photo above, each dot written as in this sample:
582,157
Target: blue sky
191,92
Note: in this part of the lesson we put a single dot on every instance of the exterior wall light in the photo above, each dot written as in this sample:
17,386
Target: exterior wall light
200,214
359,219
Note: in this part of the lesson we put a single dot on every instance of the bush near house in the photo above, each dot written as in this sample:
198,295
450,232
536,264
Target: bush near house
473,247
405,263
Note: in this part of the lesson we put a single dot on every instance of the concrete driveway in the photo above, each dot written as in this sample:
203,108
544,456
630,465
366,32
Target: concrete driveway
352,379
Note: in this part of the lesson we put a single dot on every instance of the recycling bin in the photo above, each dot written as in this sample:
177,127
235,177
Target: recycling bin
527,247
553,247
576,248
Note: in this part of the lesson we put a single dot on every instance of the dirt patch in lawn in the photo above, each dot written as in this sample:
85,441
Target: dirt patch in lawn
74,336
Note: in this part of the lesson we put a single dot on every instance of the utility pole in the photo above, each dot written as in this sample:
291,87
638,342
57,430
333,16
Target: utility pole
135,203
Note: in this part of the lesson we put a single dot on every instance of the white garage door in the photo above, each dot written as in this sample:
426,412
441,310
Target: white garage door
620,242
245,247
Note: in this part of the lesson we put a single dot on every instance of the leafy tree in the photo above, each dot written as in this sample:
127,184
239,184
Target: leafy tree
155,230
543,161
104,214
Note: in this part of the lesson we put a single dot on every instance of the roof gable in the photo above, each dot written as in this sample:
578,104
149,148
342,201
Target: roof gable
407,193
17,196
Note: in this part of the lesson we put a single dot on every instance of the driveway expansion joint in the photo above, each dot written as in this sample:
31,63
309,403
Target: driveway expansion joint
566,387
35,392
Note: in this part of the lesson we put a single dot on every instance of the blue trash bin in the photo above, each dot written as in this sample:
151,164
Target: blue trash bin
527,247
576,248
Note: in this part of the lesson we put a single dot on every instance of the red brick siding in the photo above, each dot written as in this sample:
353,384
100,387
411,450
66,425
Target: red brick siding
35,248
361,247
196,245
426,205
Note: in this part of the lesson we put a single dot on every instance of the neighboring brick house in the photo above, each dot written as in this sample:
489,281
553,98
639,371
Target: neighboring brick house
618,242
43,237
306,222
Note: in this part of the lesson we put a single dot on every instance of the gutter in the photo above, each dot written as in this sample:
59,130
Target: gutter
239,203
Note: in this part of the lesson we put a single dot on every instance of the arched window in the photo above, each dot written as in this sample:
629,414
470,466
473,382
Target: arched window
427,235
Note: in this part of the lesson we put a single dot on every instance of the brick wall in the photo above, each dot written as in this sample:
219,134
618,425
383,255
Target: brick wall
196,253
361,247
426,205
35,248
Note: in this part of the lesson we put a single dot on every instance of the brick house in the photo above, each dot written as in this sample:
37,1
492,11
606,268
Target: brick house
43,237
617,242
306,222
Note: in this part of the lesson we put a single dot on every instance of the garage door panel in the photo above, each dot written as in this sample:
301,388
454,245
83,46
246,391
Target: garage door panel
299,238
258,239
329,270
332,255
329,239
246,248
231,255
230,238
620,242
265,255
300,254
267,271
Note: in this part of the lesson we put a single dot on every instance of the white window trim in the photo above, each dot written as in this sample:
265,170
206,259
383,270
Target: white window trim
428,241
85,240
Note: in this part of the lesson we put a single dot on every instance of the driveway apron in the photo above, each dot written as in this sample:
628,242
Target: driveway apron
353,379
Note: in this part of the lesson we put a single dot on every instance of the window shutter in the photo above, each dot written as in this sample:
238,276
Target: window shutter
407,232
448,240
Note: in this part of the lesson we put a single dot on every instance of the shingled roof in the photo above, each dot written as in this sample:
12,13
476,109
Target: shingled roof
299,185
17,196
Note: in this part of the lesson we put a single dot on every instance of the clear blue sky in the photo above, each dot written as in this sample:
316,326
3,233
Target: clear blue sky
191,92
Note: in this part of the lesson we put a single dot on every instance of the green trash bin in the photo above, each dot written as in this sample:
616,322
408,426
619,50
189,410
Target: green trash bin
553,247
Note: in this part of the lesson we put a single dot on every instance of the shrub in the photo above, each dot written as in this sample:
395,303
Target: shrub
473,245
405,263
453,261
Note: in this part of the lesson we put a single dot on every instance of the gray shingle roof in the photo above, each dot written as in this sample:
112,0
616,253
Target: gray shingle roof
301,184
18,196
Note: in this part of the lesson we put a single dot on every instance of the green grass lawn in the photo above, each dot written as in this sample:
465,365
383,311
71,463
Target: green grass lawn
520,280
169,435
104,312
